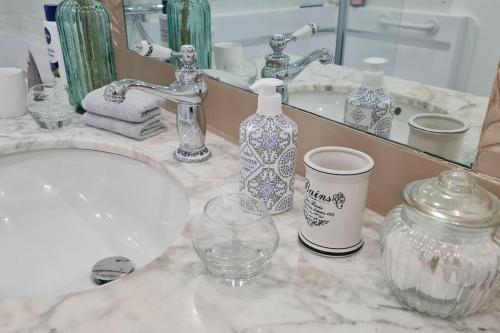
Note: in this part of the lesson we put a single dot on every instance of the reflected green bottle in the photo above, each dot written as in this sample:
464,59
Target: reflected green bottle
189,23
87,48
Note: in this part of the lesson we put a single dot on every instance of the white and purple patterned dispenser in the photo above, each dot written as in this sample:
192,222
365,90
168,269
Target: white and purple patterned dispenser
268,150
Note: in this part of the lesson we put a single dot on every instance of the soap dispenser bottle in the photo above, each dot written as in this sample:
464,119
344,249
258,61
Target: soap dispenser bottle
370,108
268,149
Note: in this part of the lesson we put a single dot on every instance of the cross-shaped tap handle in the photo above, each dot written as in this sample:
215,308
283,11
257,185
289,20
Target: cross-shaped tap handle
280,41
187,55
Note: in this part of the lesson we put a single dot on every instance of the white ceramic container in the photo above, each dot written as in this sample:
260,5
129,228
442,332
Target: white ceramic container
227,52
336,189
438,134
12,92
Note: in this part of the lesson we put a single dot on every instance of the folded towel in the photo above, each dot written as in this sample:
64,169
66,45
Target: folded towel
139,131
138,105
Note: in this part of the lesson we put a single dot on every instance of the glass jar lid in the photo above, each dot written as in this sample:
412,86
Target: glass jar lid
454,198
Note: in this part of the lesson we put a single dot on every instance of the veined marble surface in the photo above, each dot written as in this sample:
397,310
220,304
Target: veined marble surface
341,79
430,99
300,292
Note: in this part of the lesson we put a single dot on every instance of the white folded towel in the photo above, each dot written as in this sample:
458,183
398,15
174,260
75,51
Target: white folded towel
138,105
139,131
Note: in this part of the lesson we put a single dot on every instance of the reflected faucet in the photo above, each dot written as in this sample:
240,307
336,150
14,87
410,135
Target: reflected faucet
278,64
188,91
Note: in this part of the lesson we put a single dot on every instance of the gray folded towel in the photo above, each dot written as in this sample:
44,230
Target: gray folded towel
139,131
138,106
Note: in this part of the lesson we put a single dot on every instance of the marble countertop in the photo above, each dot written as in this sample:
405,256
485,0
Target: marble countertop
430,99
300,292
342,79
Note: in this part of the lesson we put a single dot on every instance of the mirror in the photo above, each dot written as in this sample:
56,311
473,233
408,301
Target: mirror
416,72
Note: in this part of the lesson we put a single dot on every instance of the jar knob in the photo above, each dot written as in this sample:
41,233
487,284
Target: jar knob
457,181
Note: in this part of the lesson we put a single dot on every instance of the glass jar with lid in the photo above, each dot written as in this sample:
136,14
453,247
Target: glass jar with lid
439,249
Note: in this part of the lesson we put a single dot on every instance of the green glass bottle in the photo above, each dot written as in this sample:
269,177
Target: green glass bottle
86,43
189,23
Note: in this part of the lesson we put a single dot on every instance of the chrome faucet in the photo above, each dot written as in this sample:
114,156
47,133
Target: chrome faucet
278,64
188,91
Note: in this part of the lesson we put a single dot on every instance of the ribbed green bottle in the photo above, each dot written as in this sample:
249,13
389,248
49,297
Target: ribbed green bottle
189,23
86,43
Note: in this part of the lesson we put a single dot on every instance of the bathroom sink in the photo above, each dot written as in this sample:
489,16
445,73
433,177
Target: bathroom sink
330,105
63,210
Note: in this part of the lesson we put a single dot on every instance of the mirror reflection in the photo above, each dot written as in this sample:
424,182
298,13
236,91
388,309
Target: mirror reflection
416,72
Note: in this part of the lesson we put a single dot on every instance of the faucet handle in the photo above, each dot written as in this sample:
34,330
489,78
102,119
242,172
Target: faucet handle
187,55
280,41
187,73
306,31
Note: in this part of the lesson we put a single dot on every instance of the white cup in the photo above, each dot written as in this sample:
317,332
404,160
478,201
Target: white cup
227,52
438,134
12,92
334,201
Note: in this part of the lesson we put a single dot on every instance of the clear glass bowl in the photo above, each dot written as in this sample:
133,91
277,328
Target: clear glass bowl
439,252
49,106
235,238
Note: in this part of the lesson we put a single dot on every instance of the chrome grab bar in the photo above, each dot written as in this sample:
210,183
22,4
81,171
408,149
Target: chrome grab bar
142,9
431,27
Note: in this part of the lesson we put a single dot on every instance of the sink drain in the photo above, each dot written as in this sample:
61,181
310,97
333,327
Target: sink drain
111,269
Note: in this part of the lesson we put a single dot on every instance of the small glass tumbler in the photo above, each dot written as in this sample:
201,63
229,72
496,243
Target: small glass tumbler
49,106
243,69
235,238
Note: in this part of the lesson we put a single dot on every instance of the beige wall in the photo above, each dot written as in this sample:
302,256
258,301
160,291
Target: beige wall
488,158
226,107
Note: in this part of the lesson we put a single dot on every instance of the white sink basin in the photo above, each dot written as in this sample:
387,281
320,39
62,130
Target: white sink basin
330,105
62,210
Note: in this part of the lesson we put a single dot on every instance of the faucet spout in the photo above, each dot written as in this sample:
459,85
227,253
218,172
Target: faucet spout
323,55
191,94
278,64
188,91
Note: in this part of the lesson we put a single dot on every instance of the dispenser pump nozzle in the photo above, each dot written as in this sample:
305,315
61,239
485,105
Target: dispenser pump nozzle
269,101
374,75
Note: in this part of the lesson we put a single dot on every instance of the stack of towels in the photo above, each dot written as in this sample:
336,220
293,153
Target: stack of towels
138,117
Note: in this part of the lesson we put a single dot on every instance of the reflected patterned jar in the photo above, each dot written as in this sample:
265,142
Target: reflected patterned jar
439,251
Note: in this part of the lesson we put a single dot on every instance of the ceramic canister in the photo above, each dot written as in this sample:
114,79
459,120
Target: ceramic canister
438,134
226,52
334,200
